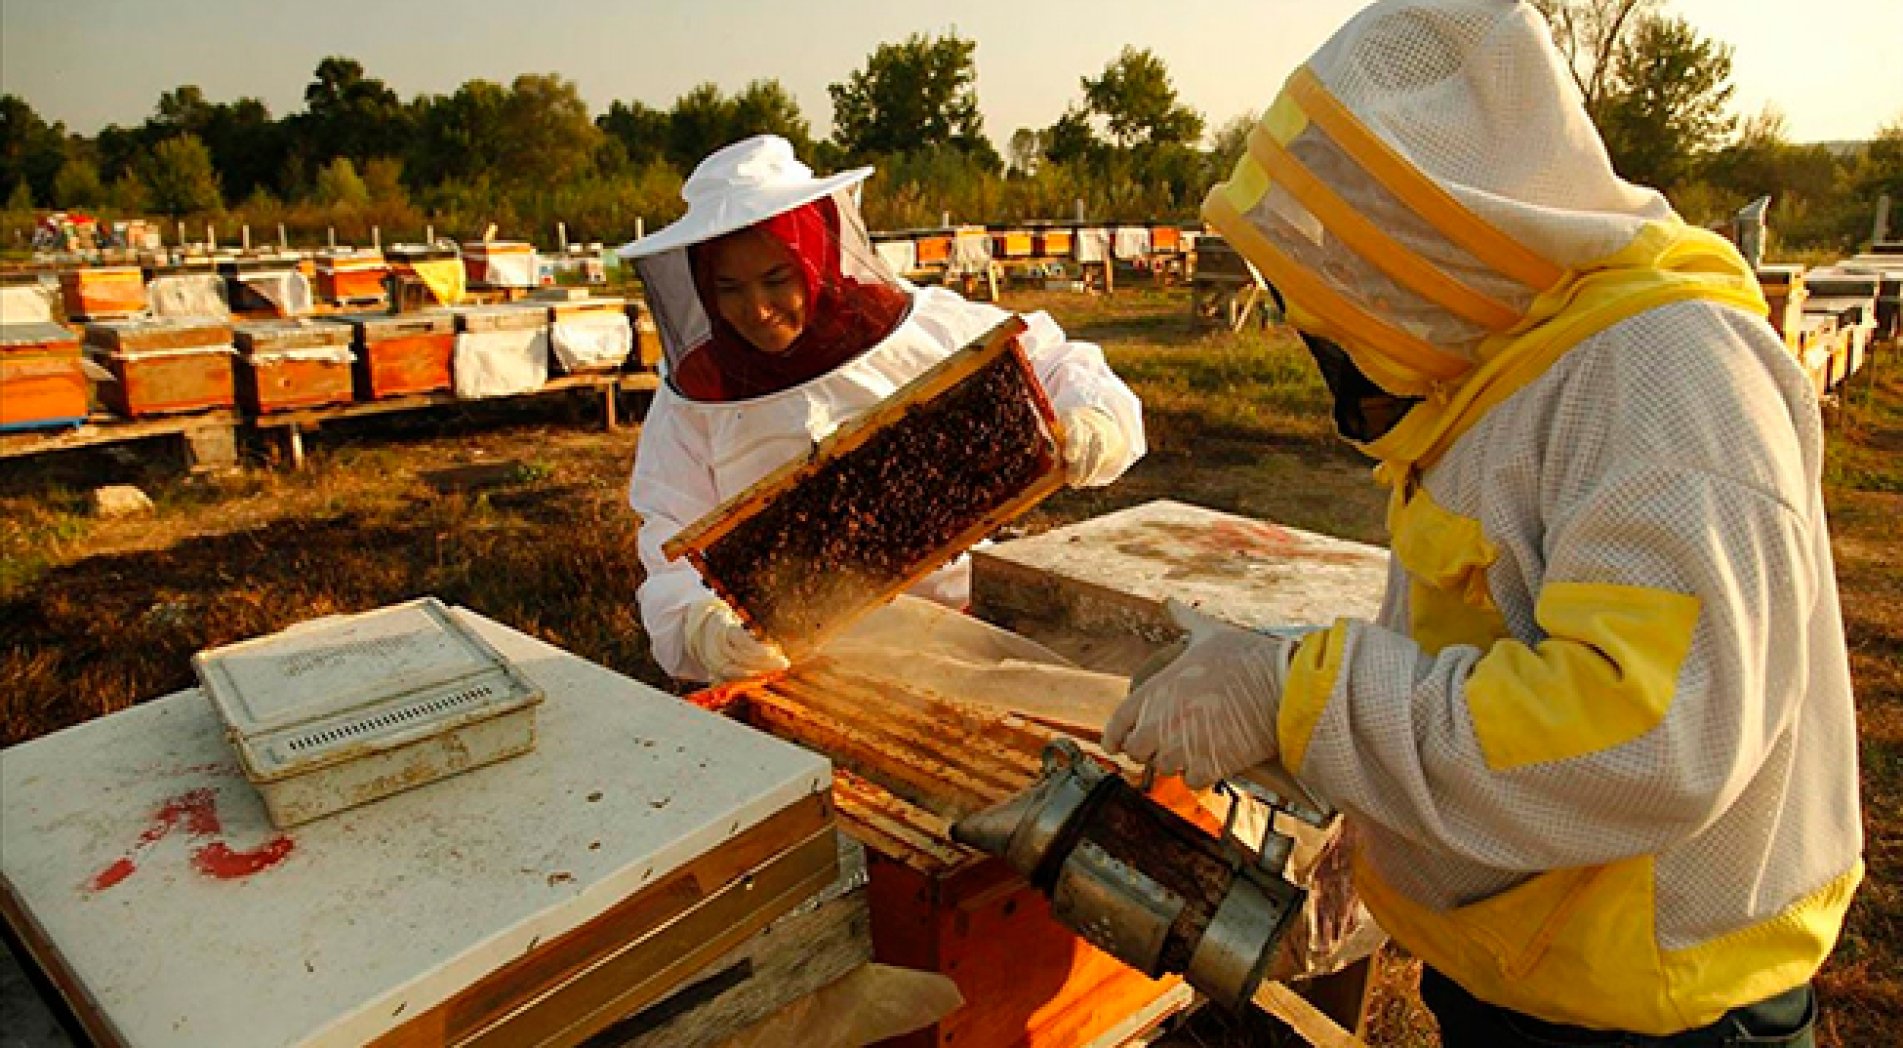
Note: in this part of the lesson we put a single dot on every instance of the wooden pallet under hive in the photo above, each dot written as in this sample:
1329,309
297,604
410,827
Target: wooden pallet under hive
907,764
886,499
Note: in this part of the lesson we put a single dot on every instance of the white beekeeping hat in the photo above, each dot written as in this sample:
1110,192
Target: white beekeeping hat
738,185
1422,179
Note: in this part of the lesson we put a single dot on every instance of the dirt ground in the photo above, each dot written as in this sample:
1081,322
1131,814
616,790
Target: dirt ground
518,511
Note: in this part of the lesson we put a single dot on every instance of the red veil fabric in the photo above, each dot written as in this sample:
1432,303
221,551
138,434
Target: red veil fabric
845,316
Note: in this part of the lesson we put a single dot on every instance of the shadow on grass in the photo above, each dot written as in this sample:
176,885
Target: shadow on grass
108,631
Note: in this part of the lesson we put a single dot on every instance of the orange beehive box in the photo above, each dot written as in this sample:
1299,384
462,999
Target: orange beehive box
402,355
934,249
99,292
1164,239
647,336
42,382
289,364
1053,243
353,277
1011,243
908,763
163,366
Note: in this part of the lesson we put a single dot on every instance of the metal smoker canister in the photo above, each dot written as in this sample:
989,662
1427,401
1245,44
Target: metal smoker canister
1140,882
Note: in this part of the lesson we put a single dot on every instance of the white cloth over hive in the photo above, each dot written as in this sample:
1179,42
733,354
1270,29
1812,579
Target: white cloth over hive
1091,244
500,363
970,253
1132,243
289,293
694,455
509,269
27,304
592,341
188,295
900,256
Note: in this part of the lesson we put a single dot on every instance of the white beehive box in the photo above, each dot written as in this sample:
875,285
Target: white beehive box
340,711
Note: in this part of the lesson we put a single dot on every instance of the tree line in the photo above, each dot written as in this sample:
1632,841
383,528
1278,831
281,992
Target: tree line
529,153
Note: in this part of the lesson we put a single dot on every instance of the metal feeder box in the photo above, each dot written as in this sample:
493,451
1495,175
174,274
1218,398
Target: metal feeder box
342,710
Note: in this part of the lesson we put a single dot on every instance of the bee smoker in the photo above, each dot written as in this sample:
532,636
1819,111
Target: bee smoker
1140,882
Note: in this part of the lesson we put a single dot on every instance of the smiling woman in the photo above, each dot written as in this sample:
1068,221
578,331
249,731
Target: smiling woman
779,324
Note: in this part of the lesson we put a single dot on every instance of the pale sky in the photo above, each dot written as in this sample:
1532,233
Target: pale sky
94,62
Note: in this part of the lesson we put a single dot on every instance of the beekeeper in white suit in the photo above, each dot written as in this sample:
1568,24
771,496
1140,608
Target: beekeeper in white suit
778,324
1599,746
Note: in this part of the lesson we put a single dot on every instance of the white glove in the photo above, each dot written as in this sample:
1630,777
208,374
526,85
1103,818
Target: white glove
719,641
1211,711
1094,447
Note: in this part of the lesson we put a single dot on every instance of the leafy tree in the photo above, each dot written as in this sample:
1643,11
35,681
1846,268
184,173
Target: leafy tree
349,114
1666,99
1230,141
699,123
339,183
21,199
546,135
766,107
1138,103
383,180
459,136
912,95
1589,34
78,185
179,178
1072,140
31,150
128,193
641,130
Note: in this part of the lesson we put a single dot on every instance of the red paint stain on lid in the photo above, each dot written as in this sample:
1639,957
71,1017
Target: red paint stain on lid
195,811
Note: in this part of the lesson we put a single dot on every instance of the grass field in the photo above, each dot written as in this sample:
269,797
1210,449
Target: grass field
518,512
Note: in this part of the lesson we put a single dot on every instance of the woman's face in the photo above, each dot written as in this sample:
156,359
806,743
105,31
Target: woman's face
758,289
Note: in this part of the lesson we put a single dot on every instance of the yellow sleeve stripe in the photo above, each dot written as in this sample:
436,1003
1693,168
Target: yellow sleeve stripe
1311,680
1604,675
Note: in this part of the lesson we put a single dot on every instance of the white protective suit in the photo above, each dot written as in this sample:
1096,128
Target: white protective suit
693,455
1600,746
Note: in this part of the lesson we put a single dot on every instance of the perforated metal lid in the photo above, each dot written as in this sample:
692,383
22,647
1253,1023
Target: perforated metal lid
347,686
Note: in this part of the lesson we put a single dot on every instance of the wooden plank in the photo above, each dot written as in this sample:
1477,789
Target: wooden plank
1304,1018
102,428
77,1001
630,382
796,955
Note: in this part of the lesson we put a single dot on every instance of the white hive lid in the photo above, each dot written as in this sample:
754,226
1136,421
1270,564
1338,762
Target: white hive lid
347,685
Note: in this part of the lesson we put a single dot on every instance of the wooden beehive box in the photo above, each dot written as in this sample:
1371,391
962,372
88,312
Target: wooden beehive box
402,355
1166,239
163,366
1011,243
244,277
580,308
647,335
1053,243
500,263
355,277
934,249
1783,287
907,763
886,499
516,317
103,292
289,364
42,382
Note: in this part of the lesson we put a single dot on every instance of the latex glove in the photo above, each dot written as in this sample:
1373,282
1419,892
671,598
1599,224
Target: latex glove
1211,711
1094,446
719,641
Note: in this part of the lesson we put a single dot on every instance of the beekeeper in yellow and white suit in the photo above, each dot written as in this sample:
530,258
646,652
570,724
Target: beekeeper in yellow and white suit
1600,745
